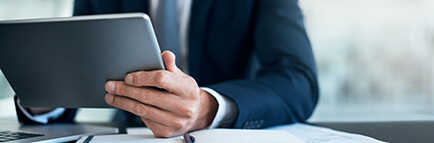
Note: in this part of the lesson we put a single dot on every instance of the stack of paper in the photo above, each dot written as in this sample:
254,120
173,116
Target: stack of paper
315,134
294,133
143,135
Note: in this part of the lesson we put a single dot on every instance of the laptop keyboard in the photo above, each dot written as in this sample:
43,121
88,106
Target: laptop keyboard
10,136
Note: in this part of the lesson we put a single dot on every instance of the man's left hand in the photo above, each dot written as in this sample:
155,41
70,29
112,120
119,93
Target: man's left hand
181,107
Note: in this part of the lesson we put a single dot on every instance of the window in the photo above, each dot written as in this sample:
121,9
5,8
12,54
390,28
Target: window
375,58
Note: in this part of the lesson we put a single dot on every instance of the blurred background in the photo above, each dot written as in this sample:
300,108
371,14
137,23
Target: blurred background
375,57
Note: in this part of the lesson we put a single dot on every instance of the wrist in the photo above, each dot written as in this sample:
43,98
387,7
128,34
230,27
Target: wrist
39,111
207,111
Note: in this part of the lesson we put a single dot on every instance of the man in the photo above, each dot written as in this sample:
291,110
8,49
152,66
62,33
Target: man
250,65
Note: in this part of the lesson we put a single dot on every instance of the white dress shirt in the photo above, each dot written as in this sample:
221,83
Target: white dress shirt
227,109
55,114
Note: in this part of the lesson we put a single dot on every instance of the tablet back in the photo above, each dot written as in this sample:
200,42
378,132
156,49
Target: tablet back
65,62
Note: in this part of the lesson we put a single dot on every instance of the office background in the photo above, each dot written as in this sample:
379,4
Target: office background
375,57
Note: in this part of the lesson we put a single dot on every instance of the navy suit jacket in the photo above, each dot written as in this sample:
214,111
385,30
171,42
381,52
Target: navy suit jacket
255,52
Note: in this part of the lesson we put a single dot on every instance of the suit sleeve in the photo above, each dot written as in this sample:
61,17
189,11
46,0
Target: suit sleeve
285,90
82,7
67,116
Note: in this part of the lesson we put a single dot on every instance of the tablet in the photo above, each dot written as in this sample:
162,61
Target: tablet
65,62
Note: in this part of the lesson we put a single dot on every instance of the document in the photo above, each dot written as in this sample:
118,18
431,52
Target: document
143,135
315,134
293,133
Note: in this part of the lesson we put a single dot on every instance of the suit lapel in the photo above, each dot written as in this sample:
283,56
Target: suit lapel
199,23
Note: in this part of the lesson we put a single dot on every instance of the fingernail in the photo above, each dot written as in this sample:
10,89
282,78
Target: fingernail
129,79
110,86
109,98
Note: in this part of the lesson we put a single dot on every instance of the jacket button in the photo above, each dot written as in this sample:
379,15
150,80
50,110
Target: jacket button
257,124
246,125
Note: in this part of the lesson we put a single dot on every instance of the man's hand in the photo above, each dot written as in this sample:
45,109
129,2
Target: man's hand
181,107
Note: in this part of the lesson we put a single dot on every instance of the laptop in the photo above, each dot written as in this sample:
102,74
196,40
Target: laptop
13,132
65,62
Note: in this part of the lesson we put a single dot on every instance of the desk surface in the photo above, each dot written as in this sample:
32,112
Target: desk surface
393,132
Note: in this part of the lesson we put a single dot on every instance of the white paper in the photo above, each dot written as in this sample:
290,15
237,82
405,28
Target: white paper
139,131
135,135
293,133
315,134
133,139
244,136
143,135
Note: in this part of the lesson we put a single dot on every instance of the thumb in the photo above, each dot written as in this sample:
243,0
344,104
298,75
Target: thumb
169,61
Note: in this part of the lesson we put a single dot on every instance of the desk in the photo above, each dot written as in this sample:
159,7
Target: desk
393,132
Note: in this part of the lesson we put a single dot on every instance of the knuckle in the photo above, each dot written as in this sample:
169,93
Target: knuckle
161,78
189,111
145,97
140,110
120,89
192,89
179,124
139,77
193,93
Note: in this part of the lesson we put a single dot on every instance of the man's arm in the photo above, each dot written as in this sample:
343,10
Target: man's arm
227,110
55,116
285,90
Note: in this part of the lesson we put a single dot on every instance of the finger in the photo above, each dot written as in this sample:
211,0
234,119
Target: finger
160,99
169,61
160,75
160,130
162,79
145,111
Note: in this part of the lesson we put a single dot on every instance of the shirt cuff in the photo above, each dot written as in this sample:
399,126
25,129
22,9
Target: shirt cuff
227,110
43,118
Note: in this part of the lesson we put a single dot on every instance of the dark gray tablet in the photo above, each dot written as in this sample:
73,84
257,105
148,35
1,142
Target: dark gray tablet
65,62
